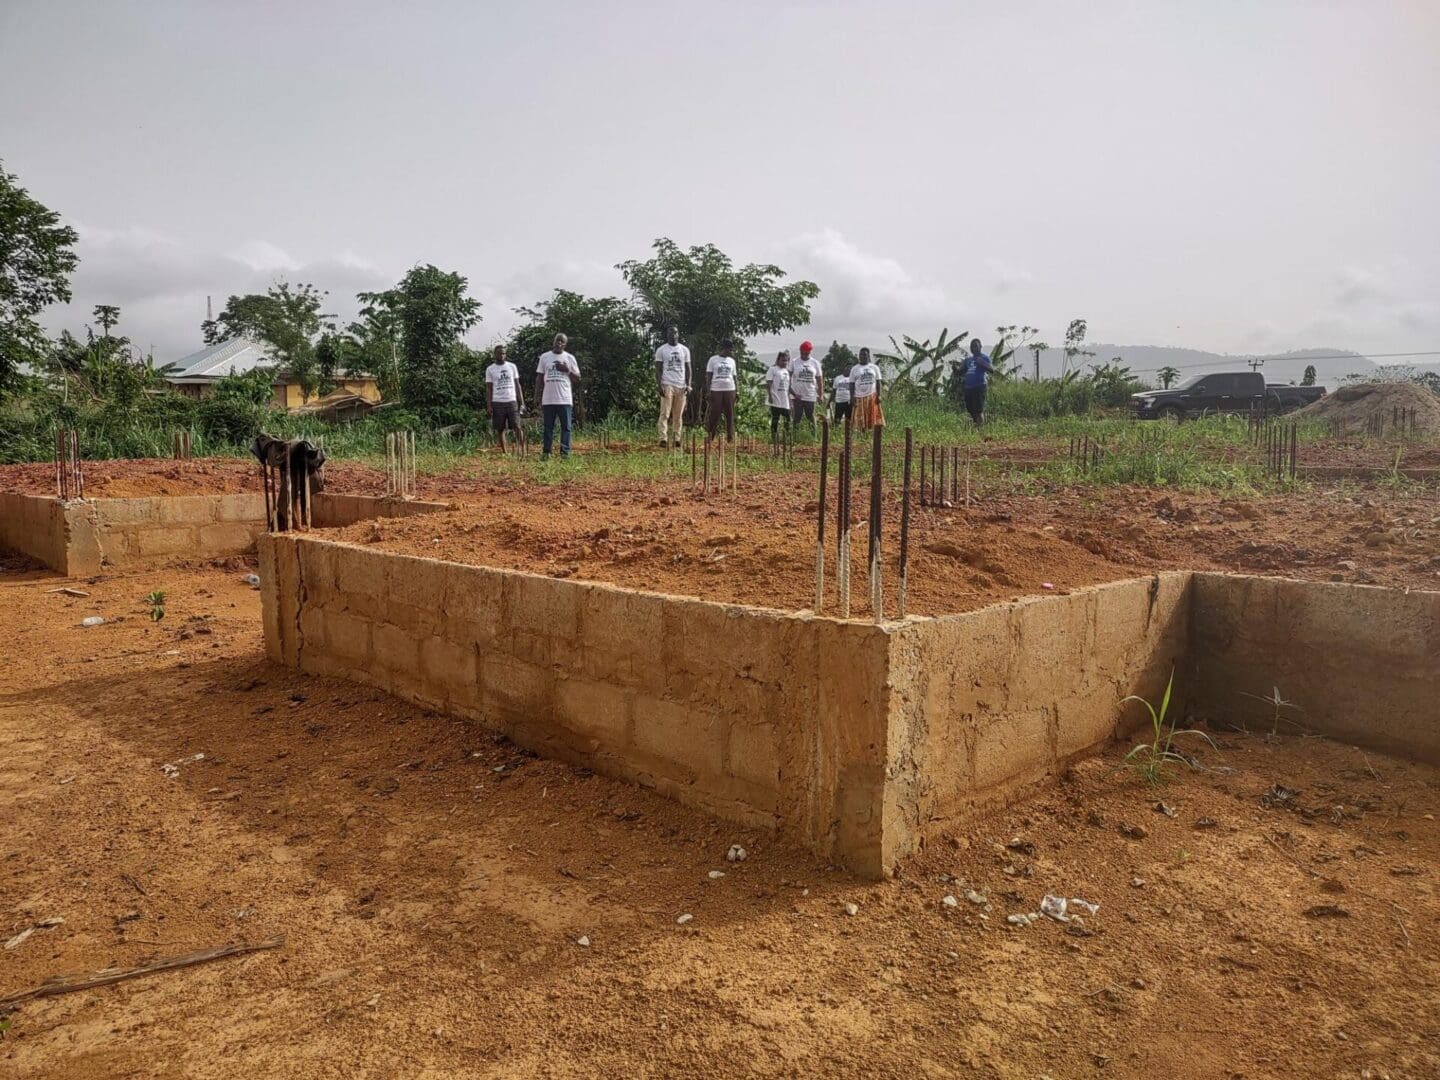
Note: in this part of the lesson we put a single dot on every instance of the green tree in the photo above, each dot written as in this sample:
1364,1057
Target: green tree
1075,344
1113,383
839,359
36,261
1309,377
703,293
1037,347
607,337
428,312
1167,375
287,319
918,366
107,315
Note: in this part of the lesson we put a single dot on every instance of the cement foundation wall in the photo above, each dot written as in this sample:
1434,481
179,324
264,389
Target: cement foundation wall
331,511
768,718
85,537
860,741
35,527
990,702
1360,664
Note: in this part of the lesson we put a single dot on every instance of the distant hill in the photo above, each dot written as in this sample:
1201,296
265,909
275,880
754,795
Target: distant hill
1331,365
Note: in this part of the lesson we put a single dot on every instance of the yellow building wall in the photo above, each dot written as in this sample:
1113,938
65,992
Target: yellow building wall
289,397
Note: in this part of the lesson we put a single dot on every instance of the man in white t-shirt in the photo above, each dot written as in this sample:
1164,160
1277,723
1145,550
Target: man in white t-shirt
556,375
721,380
777,393
807,385
865,390
503,398
672,379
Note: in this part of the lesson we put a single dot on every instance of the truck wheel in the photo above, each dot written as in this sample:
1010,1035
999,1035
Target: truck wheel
1171,414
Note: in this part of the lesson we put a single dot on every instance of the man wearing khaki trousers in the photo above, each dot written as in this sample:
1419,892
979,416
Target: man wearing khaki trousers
672,379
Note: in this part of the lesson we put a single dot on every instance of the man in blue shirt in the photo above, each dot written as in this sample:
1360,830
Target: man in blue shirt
976,372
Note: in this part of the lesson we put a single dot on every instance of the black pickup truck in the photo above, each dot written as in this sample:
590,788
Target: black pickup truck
1221,392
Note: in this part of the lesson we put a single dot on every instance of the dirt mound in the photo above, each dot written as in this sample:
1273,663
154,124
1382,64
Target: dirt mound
1356,407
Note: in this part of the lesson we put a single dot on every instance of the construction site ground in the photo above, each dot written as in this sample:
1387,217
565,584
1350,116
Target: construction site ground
433,884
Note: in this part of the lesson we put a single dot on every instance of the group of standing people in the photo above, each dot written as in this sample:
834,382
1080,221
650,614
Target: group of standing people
556,376
793,390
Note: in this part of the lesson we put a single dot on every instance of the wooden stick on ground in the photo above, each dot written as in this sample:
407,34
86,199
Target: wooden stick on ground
66,984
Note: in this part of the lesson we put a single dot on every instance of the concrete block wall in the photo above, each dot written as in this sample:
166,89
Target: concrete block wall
334,511
35,526
861,741
696,700
81,538
1360,664
987,703
119,534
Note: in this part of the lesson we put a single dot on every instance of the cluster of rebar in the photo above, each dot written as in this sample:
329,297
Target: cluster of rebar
1086,453
843,516
782,443
180,445
400,465
1281,443
944,476
280,496
726,454
69,473
1404,423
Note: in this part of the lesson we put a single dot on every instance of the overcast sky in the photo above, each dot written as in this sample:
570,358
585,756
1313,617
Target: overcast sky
1237,176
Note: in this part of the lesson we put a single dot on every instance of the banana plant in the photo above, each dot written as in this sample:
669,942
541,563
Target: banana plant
918,365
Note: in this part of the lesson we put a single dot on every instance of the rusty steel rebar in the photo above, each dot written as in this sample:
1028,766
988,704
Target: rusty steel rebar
901,588
877,471
844,571
820,517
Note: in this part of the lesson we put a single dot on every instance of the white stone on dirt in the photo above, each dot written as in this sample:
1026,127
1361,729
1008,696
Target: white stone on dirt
975,897
852,909
92,620
683,919
716,875
736,854
583,941
950,901
252,579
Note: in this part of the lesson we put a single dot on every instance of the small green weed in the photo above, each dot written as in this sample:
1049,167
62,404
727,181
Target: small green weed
156,600
1150,760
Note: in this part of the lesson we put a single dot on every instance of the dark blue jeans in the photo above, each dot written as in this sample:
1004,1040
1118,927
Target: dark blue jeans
552,413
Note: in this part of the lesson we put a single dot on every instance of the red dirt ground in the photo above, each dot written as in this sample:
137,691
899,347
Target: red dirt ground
758,547
432,883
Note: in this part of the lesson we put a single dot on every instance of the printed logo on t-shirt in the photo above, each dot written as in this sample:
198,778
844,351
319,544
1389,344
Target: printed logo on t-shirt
557,372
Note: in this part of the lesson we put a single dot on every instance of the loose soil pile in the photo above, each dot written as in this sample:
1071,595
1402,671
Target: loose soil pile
433,884
758,548
1356,407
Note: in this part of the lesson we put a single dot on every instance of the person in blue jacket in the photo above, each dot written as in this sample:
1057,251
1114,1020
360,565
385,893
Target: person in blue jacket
976,375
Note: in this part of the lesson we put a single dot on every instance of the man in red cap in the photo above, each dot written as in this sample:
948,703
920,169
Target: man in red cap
807,385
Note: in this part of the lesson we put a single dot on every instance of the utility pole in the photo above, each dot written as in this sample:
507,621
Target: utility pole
1256,364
